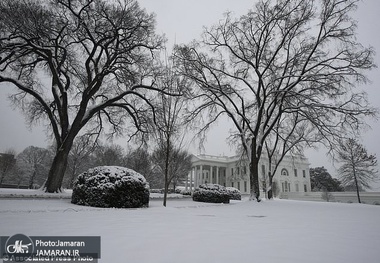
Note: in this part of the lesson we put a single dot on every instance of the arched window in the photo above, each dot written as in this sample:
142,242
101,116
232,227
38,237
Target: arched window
284,172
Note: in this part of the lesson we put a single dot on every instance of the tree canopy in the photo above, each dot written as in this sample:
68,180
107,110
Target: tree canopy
358,167
284,62
79,63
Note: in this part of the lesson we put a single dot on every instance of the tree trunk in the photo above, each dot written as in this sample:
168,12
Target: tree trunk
57,170
357,187
254,181
167,170
31,179
270,190
254,174
166,189
73,174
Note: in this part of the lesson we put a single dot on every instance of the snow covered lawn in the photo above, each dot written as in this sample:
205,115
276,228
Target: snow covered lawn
190,232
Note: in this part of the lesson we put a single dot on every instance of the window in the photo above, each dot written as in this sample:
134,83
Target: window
232,184
238,186
232,171
286,187
295,173
245,186
284,172
238,170
304,173
305,188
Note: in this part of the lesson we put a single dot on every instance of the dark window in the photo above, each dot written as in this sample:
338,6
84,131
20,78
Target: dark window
284,172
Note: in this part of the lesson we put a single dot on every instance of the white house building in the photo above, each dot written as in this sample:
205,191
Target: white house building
292,175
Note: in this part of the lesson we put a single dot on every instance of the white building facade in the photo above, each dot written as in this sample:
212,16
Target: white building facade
292,174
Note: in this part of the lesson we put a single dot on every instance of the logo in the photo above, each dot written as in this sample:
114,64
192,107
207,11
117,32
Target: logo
19,247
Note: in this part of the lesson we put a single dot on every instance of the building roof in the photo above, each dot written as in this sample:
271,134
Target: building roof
229,159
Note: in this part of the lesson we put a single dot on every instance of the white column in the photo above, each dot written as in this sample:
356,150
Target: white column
191,178
201,175
217,174
196,177
187,181
211,173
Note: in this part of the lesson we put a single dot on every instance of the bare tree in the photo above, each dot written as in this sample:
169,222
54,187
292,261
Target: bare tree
33,162
358,167
7,164
140,160
79,63
108,155
281,58
80,157
169,123
289,137
180,168
176,169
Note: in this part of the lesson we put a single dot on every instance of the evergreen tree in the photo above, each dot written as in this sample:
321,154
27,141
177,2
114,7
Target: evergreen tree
321,180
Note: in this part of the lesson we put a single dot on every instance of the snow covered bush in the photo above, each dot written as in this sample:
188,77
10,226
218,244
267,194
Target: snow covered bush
111,186
211,193
233,193
186,192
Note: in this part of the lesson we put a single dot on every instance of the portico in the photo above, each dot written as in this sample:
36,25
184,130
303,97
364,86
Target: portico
207,169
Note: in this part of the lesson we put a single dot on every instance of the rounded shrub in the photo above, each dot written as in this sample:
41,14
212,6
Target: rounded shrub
211,193
234,193
111,186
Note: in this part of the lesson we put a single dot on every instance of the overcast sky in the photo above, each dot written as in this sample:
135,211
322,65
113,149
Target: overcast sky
182,21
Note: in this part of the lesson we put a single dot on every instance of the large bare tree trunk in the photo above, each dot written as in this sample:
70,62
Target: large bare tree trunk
254,181
57,169
254,173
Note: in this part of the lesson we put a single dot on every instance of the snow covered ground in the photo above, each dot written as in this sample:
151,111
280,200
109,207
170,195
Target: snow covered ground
190,232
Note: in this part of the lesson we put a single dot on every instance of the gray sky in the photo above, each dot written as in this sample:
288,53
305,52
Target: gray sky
181,21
